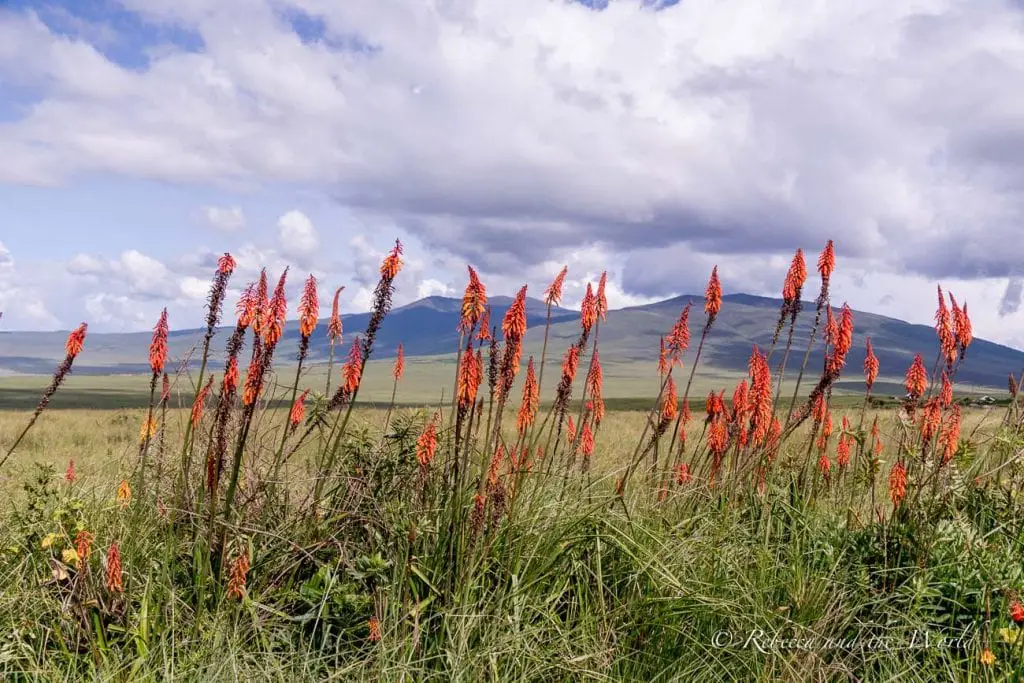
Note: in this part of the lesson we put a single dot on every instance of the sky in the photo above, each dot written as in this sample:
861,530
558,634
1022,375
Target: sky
140,139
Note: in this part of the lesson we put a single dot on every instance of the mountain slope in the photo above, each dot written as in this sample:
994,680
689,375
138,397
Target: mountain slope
428,328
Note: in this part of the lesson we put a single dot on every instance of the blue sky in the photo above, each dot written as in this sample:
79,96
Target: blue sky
652,139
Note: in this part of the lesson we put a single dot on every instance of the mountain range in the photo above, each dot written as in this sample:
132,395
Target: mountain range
427,327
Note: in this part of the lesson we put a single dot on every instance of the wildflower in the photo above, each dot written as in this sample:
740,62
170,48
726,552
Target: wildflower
897,483
298,411
827,261
426,445
831,327
70,476
588,310
48,541
513,326
531,400
124,493
553,294
230,382
470,378
158,346
570,433
484,333
669,403
352,370
374,626
961,326
683,475
1009,635
276,312
945,331
946,397
309,308
679,338
842,341
795,278
571,363
950,437
587,441
824,466
399,369
663,358
200,403
83,545
931,419
1017,612
75,341
334,326
392,263
713,296
237,575
760,396
870,366
595,380
474,302
226,264
260,303
917,378
114,579
843,451
147,429
986,657
714,406
600,300
69,556
248,306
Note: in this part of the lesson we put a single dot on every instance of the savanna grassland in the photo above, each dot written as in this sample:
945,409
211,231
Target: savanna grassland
253,519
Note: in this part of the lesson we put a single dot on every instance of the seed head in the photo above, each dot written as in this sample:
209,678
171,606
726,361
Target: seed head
334,327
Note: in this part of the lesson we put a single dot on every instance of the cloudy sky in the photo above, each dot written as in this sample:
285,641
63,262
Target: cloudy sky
140,138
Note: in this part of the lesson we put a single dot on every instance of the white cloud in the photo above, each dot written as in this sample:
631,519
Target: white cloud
85,264
227,219
296,235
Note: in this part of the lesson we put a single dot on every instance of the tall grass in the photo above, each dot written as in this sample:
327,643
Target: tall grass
505,542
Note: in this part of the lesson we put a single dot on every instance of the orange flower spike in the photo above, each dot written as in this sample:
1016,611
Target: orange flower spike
679,338
946,397
200,402
237,576
1017,612
70,476
740,400
76,340
114,579
469,379
298,411
950,438
600,299
944,330
513,325
531,399
870,366
334,326
683,475
843,340
474,302
713,296
897,483
277,311
917,378
260,305
230,381
484,333
392,263
795,278
83,546
553,294
158,346
662,358
760,396
843,451
426,445
571,363
374,629
309,308
352,370
965,333
587,441
669,403
399,369
570,430
831,327
124,493
226,264
827,261
824,465
588,310
595,384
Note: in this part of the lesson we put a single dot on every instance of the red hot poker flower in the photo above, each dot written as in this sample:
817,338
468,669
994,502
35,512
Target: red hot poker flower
713,296
76,340
870,366
399,368
298,411
917,378
309,308
795,278
474,302
226,264
553,294
334,327
158,346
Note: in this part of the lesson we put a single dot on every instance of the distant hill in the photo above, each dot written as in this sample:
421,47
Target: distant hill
427,327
